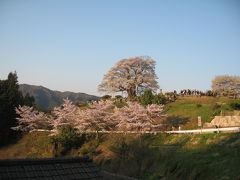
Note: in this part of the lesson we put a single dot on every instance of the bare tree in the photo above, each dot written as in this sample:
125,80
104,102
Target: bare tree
226,85
132,75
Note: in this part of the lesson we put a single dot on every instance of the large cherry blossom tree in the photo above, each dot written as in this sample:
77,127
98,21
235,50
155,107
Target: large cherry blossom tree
132,75
226,85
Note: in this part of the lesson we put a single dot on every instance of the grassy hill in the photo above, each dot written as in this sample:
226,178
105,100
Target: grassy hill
187,109
46,99
162,156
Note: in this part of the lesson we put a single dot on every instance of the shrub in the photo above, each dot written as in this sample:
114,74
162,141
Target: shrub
68,138
216,106
235,106
159,99
90,147
105,97
135,99
85,151
120,104
90,136
118,97
147,97
198,105
81,104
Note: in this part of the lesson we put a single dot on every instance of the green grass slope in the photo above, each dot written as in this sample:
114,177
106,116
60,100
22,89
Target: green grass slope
187,109
199,156
32,145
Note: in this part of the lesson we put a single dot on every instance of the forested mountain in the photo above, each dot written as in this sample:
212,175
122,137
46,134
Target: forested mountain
46,99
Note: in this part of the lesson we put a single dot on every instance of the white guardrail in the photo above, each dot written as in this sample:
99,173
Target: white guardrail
210,130
195,131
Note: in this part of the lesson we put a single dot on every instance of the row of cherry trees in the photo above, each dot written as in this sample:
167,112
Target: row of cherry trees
100,116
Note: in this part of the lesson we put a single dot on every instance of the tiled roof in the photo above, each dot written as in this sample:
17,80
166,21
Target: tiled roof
49,169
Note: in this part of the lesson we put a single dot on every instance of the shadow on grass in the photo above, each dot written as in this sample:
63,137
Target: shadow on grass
175,121
135,158
12,138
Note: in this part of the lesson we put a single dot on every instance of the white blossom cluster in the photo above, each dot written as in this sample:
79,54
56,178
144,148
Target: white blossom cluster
100,116
226,85
31,119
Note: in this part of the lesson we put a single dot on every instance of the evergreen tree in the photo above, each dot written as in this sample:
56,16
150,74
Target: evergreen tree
29,100
147,97
10,98
159,99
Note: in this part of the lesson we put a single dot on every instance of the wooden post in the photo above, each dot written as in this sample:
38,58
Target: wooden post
200,122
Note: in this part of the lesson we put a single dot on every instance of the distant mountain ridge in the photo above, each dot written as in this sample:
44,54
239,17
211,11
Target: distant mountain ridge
46,99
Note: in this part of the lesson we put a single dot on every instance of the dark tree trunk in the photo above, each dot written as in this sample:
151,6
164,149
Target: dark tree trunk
131,93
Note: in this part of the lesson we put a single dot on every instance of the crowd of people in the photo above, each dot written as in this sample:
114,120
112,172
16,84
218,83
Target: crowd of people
195,92
172,96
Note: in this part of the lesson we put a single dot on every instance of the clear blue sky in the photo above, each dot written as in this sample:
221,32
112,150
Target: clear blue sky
69,45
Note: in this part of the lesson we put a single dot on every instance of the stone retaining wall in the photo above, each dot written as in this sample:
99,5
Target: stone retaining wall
224,121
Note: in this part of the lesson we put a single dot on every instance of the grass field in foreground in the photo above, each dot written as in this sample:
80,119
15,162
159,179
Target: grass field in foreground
199,156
